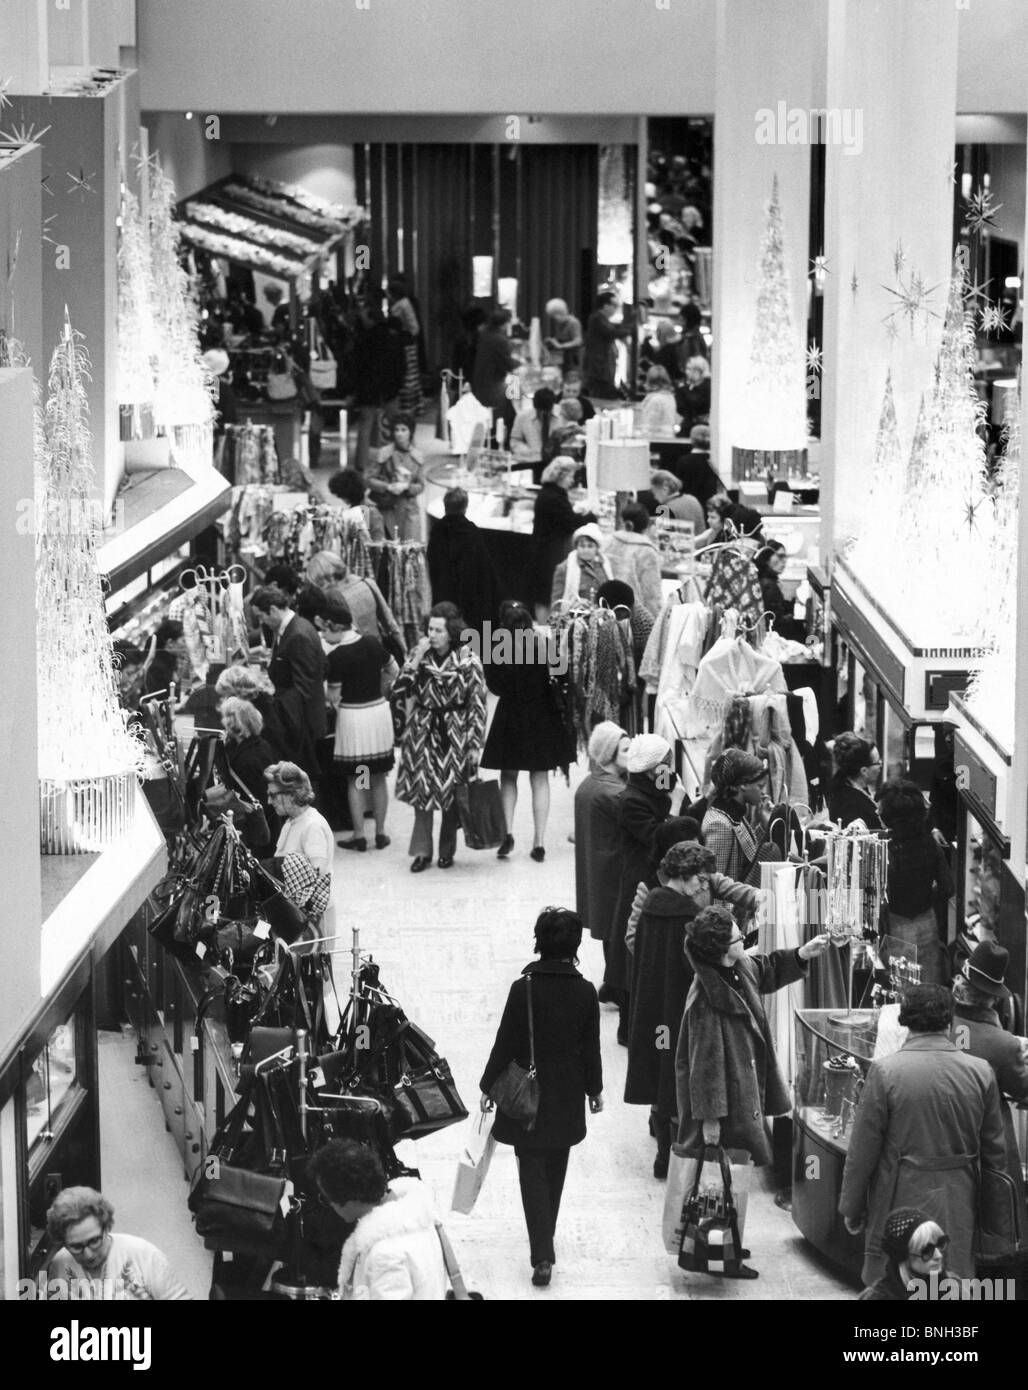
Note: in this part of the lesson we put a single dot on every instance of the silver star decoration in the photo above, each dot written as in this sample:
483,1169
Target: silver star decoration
913,299
975,296
48,228
952,173
815,360
44,184
145,163
981,212
970,512
994,318
899,259
5,100
892,330
819,265
853,282
22,134
81,182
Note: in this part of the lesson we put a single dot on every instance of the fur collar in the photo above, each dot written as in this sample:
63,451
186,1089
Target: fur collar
721,997
633,538
409,1213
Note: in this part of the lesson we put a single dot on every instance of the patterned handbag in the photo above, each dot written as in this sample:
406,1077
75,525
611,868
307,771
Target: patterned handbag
711,1243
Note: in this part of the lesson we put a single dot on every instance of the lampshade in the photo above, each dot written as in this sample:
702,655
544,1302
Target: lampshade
623,465
481,277
507,293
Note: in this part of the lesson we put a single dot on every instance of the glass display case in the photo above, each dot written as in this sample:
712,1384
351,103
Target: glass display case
833,1053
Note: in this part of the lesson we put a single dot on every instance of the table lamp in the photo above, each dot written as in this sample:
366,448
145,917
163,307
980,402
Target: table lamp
623,466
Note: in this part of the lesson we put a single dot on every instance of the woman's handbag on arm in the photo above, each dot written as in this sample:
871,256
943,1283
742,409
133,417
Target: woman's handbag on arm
516,1091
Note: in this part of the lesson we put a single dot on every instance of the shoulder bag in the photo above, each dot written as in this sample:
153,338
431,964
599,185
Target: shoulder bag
281,383
322,371
516,1091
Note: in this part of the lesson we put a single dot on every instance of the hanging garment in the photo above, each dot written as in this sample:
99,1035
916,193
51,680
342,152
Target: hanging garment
734,584
686,632
731,666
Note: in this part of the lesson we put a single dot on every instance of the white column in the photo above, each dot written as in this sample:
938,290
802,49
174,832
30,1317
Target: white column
764,63
892,73
1017,801
23,45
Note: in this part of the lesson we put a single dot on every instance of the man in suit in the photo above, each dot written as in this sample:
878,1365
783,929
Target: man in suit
599,357
297,671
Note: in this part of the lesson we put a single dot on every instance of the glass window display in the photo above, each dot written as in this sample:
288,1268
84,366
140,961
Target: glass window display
982,883
52,1080
894,744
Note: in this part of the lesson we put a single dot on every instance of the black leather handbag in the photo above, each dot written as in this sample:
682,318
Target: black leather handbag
426,1092
516,1090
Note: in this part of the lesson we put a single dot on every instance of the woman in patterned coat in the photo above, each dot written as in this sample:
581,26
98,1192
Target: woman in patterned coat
441,688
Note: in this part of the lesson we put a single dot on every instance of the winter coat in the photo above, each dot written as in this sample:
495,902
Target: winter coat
401,514
888,1289
554,521
661,979
641,809
979,1033
445,726
635,560
297,671
527,733
394,1250
597,850
733,843
460,569
726,1066
566,1018
928,1116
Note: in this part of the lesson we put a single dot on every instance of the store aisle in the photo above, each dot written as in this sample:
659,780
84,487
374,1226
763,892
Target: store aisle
140,1167
449,942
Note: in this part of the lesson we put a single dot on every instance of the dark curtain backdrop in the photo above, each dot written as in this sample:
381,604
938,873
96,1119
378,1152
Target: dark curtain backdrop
533,208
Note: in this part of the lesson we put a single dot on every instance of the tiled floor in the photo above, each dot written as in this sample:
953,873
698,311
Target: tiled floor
449,943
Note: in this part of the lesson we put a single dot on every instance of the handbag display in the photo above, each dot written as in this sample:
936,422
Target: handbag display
711,1242
516,1091
481,814
425,1092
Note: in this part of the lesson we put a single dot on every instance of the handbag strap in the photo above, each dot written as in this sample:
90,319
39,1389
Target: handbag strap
460,1289
531,1025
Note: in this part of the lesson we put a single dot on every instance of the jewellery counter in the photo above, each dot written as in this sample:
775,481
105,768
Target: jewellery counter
833,1054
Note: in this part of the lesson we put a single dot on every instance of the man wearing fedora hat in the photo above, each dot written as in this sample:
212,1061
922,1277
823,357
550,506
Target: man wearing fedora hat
977,993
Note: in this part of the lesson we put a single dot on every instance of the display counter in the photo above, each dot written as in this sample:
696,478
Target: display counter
826,1093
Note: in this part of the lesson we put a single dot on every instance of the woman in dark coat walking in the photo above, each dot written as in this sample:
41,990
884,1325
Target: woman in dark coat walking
641,810
661,975
566,1029
527,733
597,838
726,1069
554,523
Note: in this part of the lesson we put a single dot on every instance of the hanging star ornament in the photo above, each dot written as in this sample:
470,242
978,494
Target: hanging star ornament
48,228
976,296
993,319
80,181
44,184
853,283
5,100
980,212
22,134
970,512
913,299
815,360
819,266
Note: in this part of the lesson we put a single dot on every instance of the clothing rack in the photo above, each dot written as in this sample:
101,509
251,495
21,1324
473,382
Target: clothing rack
247,454
210,608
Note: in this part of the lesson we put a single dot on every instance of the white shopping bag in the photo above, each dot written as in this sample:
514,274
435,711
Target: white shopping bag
474,1161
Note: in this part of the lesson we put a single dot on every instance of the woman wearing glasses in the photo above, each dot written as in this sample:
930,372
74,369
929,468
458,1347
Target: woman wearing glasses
726,1069
661,975
858,768
915,1248
96,1262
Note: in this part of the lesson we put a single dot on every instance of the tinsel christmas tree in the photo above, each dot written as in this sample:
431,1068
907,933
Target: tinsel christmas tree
82,731
137,337
183,384
775,395
936,572
876,541
991,692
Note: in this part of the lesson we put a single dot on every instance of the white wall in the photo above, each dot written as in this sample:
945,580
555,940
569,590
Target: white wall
586,56
324,170
189,159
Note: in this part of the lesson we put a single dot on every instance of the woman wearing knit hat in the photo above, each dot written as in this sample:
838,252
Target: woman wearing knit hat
584,570
740,787
642,809
597,837
915,1248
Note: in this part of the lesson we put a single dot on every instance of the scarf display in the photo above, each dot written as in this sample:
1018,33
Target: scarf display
734,584
247,455
601,667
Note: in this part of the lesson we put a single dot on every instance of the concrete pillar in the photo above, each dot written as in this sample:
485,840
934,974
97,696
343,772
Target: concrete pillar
765,59
892,73
22,249
1017,817
23,45
19,780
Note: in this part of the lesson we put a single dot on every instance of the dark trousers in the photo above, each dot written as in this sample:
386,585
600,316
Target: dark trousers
541,1173
421,836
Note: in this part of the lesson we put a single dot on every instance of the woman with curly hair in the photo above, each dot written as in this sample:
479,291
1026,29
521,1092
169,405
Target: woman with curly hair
397,479
98,1261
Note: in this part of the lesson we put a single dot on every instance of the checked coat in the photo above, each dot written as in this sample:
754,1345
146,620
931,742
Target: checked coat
445,726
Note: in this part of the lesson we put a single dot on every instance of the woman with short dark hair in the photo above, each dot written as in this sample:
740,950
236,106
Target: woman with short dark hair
566,1030
920,884
633,557
351,487
393,1252
858,766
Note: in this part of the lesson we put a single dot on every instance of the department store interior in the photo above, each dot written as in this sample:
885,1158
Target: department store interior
683,339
